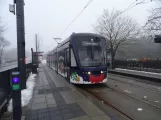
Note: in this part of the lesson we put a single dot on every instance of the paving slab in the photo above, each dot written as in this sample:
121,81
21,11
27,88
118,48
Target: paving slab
85,117
39,96
50,95
51,105
51,101
71,96
39,100
90,109
39,106
56,78
102,117
39,87
47,87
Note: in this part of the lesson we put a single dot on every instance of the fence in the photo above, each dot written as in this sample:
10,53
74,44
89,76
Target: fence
5,89
149,66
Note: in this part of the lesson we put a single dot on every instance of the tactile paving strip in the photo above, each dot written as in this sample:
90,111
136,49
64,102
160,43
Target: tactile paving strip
63,112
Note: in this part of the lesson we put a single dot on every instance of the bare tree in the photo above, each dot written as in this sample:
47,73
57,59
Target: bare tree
3,42
1,28
120,31
153,24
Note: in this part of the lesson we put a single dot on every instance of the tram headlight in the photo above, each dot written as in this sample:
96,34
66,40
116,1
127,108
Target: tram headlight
89,73
102,71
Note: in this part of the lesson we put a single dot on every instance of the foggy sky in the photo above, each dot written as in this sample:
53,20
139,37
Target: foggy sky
48,18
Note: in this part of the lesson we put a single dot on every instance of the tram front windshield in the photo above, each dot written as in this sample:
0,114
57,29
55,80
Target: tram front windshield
91,51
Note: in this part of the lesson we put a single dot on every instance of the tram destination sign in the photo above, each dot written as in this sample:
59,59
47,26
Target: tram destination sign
84,43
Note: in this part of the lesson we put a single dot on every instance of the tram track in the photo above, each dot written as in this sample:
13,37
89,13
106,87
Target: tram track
125,117
122,103
109,104
134,97
125,94
137,91
100,96
118,109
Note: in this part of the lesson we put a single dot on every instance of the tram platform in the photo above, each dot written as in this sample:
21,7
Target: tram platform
56,99
139,74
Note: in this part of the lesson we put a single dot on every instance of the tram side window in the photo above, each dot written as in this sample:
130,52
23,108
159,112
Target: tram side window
54,59
68,57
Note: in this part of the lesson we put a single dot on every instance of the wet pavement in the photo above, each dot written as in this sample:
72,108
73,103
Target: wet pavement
55,99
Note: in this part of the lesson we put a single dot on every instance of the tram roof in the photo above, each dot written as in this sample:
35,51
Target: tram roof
76,35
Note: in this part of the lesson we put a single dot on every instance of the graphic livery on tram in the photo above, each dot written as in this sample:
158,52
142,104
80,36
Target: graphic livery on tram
81,58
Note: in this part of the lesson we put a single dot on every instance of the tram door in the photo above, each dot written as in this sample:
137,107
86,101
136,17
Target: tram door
67,63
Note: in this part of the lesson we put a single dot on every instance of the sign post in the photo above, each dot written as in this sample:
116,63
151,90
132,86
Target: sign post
35,64
18,79
15,83
16,95
34,68
35,60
